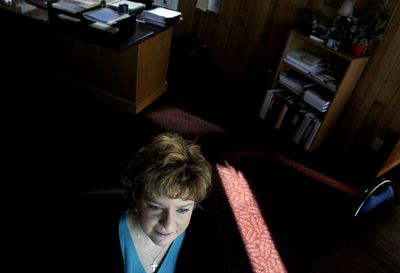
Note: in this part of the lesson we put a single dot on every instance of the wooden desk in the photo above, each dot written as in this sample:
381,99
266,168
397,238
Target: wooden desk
129,73
374,248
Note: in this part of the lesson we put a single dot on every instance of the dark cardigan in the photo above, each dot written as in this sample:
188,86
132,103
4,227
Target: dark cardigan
94,242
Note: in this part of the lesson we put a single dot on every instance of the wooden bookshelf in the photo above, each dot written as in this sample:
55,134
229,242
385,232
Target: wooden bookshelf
347,67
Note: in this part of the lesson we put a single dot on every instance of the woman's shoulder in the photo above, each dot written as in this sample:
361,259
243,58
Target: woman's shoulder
204,248
92,226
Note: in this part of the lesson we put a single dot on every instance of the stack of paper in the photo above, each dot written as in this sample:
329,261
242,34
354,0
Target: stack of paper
161,16
105,15
305,60
294,82
75,6
328,78
316,100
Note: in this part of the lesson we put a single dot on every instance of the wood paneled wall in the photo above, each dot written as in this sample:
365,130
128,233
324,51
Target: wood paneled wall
249,35
374,108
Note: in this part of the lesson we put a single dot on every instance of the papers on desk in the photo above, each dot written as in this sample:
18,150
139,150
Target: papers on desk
75,6
26,7
105,15
161,16
104,27
133,7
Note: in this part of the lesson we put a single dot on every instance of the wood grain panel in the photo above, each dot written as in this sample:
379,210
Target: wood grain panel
187,8
379,85
152,68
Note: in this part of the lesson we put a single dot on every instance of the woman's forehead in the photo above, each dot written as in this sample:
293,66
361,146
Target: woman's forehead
165,200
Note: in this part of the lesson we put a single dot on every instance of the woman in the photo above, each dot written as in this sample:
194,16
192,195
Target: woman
164,229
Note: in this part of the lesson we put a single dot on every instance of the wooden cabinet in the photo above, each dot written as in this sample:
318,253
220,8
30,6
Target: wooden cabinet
342,64
129,72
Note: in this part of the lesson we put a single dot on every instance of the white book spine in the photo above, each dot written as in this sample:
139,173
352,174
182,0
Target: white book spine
264,107
308,117
281,116
267,102
312,134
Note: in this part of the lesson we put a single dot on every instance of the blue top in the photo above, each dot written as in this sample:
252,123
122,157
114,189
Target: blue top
131,259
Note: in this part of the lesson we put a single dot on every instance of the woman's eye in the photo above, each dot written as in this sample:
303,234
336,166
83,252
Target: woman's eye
154,207
182,211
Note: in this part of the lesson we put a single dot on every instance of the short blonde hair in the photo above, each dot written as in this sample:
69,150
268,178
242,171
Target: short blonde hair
169,166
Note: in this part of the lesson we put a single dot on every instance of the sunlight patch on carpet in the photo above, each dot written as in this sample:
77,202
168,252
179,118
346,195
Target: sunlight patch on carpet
256,237
179,121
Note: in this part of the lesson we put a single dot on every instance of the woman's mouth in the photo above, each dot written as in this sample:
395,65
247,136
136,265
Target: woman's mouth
163,234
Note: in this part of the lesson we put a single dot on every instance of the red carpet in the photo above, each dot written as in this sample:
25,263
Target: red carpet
178,121
256,237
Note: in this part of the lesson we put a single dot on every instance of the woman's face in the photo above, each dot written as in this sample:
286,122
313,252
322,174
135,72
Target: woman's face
163,219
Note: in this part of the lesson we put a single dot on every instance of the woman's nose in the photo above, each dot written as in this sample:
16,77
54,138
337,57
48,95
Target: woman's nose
167,220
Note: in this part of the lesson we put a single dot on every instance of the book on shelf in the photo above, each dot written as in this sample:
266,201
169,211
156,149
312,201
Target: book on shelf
306,70
105,15
284,113
294,81
305,60
276,105
311,134
321,109
307,132
327,77
267,100
317,100
307,118
293,117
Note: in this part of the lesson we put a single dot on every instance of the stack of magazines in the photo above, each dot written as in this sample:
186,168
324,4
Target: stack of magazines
294,81
161,16
316,100
328,78
305,61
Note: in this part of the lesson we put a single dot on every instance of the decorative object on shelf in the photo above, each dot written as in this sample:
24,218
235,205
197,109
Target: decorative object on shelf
369,27
334,36
359,50
346,9
338,32
332,43
314,24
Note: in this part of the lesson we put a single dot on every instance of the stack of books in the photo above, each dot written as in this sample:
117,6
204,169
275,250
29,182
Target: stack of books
161,16
328,78
302,128
316,100
305,61
269,100
294,81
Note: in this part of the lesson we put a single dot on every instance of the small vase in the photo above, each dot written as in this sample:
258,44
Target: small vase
332,43
359,50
